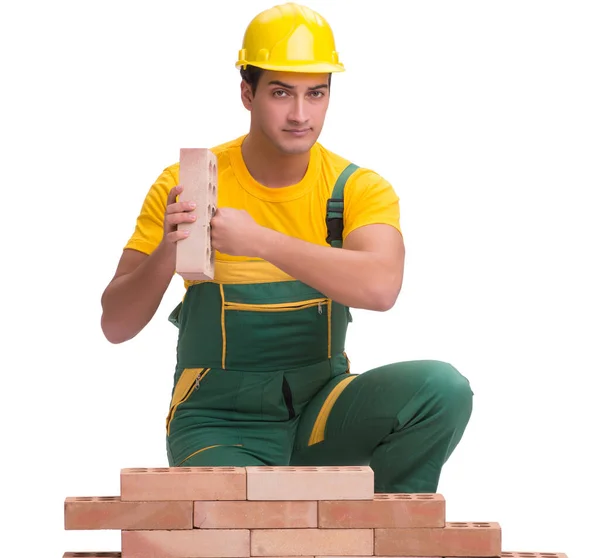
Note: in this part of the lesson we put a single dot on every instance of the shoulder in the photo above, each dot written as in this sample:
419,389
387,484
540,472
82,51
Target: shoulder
360,182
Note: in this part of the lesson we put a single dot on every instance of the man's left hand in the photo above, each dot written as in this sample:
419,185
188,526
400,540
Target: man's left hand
235,232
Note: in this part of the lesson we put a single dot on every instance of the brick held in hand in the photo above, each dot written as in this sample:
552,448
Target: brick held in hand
195,259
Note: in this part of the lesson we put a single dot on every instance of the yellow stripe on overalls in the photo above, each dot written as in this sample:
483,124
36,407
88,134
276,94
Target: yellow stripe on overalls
189,379
318,431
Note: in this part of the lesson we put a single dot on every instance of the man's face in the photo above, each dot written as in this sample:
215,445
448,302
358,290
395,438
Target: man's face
289,109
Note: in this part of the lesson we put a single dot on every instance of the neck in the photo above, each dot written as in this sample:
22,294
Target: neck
270,167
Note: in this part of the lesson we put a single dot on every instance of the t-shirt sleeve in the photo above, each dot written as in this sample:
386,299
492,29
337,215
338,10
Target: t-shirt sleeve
149,228
370,199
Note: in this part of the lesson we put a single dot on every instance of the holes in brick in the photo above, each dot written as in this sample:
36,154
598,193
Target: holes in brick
213,174
159,470
107,498
459,524
185,469
483,525
138,470
425,497
382,497
84,499
546,555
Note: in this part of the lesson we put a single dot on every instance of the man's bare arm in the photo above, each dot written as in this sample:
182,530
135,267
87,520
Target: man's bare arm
366,273
140,282
132,297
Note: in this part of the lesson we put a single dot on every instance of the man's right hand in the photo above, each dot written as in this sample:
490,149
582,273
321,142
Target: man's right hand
177,212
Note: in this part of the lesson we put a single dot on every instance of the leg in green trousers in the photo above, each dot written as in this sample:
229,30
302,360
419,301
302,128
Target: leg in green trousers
403,419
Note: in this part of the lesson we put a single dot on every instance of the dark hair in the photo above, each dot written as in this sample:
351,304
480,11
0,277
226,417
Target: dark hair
251,75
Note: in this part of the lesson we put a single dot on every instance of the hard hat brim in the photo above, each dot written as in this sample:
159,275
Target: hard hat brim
305,68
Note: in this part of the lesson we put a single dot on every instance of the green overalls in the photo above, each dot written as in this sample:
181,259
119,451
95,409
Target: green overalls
262,378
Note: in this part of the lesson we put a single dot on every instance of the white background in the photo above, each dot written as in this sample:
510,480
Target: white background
485,117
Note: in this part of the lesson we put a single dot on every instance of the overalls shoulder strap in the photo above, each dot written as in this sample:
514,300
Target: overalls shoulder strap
335,208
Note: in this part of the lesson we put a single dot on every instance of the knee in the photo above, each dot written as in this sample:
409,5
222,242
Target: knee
449,388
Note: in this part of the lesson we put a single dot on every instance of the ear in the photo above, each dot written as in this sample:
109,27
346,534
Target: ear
246,94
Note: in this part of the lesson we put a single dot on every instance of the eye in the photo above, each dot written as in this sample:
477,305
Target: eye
317,94
279,93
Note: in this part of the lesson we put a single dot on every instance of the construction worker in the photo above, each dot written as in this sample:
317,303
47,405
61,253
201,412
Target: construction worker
301,235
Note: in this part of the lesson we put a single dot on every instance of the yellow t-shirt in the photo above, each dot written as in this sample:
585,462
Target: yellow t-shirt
298,210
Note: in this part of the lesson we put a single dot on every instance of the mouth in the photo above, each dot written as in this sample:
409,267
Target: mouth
298,132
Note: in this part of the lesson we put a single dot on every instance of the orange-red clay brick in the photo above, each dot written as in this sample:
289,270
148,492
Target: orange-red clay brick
196,543
109,512
384,511
310,483
183,483
455,539
311,542
255,515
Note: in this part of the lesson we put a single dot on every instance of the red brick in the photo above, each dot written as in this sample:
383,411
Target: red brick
311,542
384,511
310,483
183,483
195,258
109,512
196,543
255,515
455,539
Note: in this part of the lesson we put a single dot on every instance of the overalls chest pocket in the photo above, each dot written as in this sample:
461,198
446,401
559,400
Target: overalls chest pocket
275,326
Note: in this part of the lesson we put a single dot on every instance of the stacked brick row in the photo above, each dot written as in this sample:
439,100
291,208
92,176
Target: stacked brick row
276,512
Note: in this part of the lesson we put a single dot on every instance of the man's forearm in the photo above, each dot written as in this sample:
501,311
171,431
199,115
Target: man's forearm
355,278
131,300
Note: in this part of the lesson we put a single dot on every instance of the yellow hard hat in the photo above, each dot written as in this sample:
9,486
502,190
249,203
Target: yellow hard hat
290,38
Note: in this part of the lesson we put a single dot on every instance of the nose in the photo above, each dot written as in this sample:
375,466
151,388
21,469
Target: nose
298,112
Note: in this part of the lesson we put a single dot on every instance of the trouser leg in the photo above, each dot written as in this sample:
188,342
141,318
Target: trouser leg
403,419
